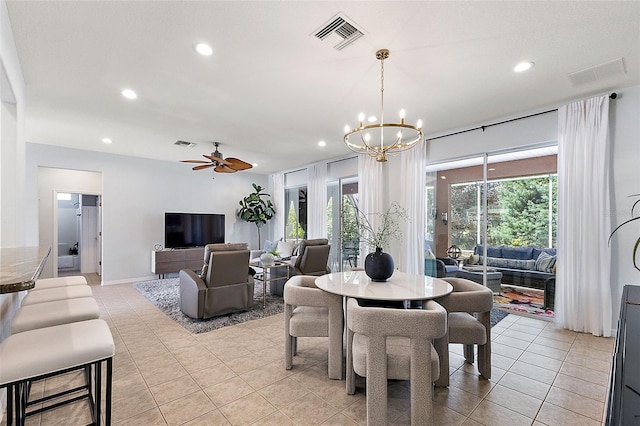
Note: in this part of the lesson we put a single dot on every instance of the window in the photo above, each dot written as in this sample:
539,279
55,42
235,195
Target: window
296,213
521,212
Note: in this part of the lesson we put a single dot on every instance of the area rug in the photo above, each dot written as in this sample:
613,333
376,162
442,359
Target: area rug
522,301
165,294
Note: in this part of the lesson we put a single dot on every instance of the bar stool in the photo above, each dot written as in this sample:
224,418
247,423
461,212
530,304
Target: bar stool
49,314
58,293
46,352
47,283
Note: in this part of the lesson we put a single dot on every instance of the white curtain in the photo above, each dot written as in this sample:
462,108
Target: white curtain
583,292
317,201
370,194
412,197
277,198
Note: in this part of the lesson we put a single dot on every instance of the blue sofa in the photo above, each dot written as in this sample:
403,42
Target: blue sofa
524,266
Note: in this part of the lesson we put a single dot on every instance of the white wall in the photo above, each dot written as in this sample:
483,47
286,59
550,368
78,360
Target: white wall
625,181
135,195
12,180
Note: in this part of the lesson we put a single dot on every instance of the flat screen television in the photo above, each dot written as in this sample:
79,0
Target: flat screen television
182,230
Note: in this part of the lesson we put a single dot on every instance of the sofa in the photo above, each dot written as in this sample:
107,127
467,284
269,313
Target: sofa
522,266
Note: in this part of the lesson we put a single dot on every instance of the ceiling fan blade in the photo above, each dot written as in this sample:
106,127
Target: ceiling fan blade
238,164
224,169
218,159
195,161
204,166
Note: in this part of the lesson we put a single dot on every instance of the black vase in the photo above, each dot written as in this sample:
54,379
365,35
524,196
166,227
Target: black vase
378,265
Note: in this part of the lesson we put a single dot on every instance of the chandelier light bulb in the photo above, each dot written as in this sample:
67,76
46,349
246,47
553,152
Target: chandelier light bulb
347,129
367,137
399,134
361,117
402,113
419,124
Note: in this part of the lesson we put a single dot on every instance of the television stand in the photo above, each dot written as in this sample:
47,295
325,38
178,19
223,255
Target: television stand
170,261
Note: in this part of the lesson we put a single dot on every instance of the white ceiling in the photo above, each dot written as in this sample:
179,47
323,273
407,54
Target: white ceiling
271,90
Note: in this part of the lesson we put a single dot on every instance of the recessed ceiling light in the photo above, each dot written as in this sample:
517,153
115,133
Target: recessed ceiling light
107,140
255,164
129,94
523,66
372,119
204,49
322,144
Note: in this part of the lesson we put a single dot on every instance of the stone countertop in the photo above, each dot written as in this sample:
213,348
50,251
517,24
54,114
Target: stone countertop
20,267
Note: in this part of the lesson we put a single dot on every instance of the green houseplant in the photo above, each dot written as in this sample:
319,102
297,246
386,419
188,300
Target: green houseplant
256,208
636,246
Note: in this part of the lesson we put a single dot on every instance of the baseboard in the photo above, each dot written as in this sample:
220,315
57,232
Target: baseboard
129,280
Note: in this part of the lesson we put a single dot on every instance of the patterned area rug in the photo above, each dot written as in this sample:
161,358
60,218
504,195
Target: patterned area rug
165,294
523,301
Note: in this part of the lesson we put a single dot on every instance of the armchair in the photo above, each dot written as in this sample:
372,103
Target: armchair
312,259
469,323
225,285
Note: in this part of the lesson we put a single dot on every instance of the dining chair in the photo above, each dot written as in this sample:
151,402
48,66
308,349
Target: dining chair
469,322
386,343
311,312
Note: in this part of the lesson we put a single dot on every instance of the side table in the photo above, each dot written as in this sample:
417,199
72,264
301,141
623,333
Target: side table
265,275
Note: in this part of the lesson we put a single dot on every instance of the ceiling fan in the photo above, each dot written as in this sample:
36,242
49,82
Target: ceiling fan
220,164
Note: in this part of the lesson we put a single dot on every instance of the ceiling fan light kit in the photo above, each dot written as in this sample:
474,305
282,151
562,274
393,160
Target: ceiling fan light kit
406,136
219,163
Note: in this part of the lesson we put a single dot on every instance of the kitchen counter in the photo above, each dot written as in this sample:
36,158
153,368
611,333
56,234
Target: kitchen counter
20,267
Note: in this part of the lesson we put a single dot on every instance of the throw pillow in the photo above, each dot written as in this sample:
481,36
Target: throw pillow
269,246
430,255
285,249
473,259
545,262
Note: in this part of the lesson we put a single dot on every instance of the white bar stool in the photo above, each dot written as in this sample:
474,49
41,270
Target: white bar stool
47,283
42,353
58,293
58,312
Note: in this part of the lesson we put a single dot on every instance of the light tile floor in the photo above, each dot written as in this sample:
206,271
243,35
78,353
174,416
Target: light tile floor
542,375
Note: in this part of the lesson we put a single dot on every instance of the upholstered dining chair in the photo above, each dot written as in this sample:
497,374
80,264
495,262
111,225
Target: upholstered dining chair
311,312
386,343
223,287
469,318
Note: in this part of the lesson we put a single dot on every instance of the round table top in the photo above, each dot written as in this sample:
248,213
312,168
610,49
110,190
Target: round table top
401,286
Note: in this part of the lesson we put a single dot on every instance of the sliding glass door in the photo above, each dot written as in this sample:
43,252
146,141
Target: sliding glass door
342,231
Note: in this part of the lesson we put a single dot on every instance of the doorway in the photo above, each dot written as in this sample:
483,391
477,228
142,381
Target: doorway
78,232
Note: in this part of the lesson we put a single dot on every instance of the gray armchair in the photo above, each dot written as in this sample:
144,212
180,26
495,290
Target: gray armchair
312,259
225,285
469,322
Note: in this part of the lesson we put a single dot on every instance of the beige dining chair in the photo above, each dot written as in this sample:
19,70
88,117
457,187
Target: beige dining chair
386,343
311,312
469,322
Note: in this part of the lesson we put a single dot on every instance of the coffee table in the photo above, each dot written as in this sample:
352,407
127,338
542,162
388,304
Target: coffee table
265,276
494,278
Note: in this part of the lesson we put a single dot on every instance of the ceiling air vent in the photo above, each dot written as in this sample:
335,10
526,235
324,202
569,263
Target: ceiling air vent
185,144
339,31
598,72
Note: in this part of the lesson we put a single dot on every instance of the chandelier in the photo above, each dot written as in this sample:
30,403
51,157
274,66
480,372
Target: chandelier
364,137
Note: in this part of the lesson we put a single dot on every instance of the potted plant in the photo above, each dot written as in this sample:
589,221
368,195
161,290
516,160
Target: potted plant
256,208
636,246
379,265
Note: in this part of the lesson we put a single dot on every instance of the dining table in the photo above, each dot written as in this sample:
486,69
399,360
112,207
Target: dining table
401,286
